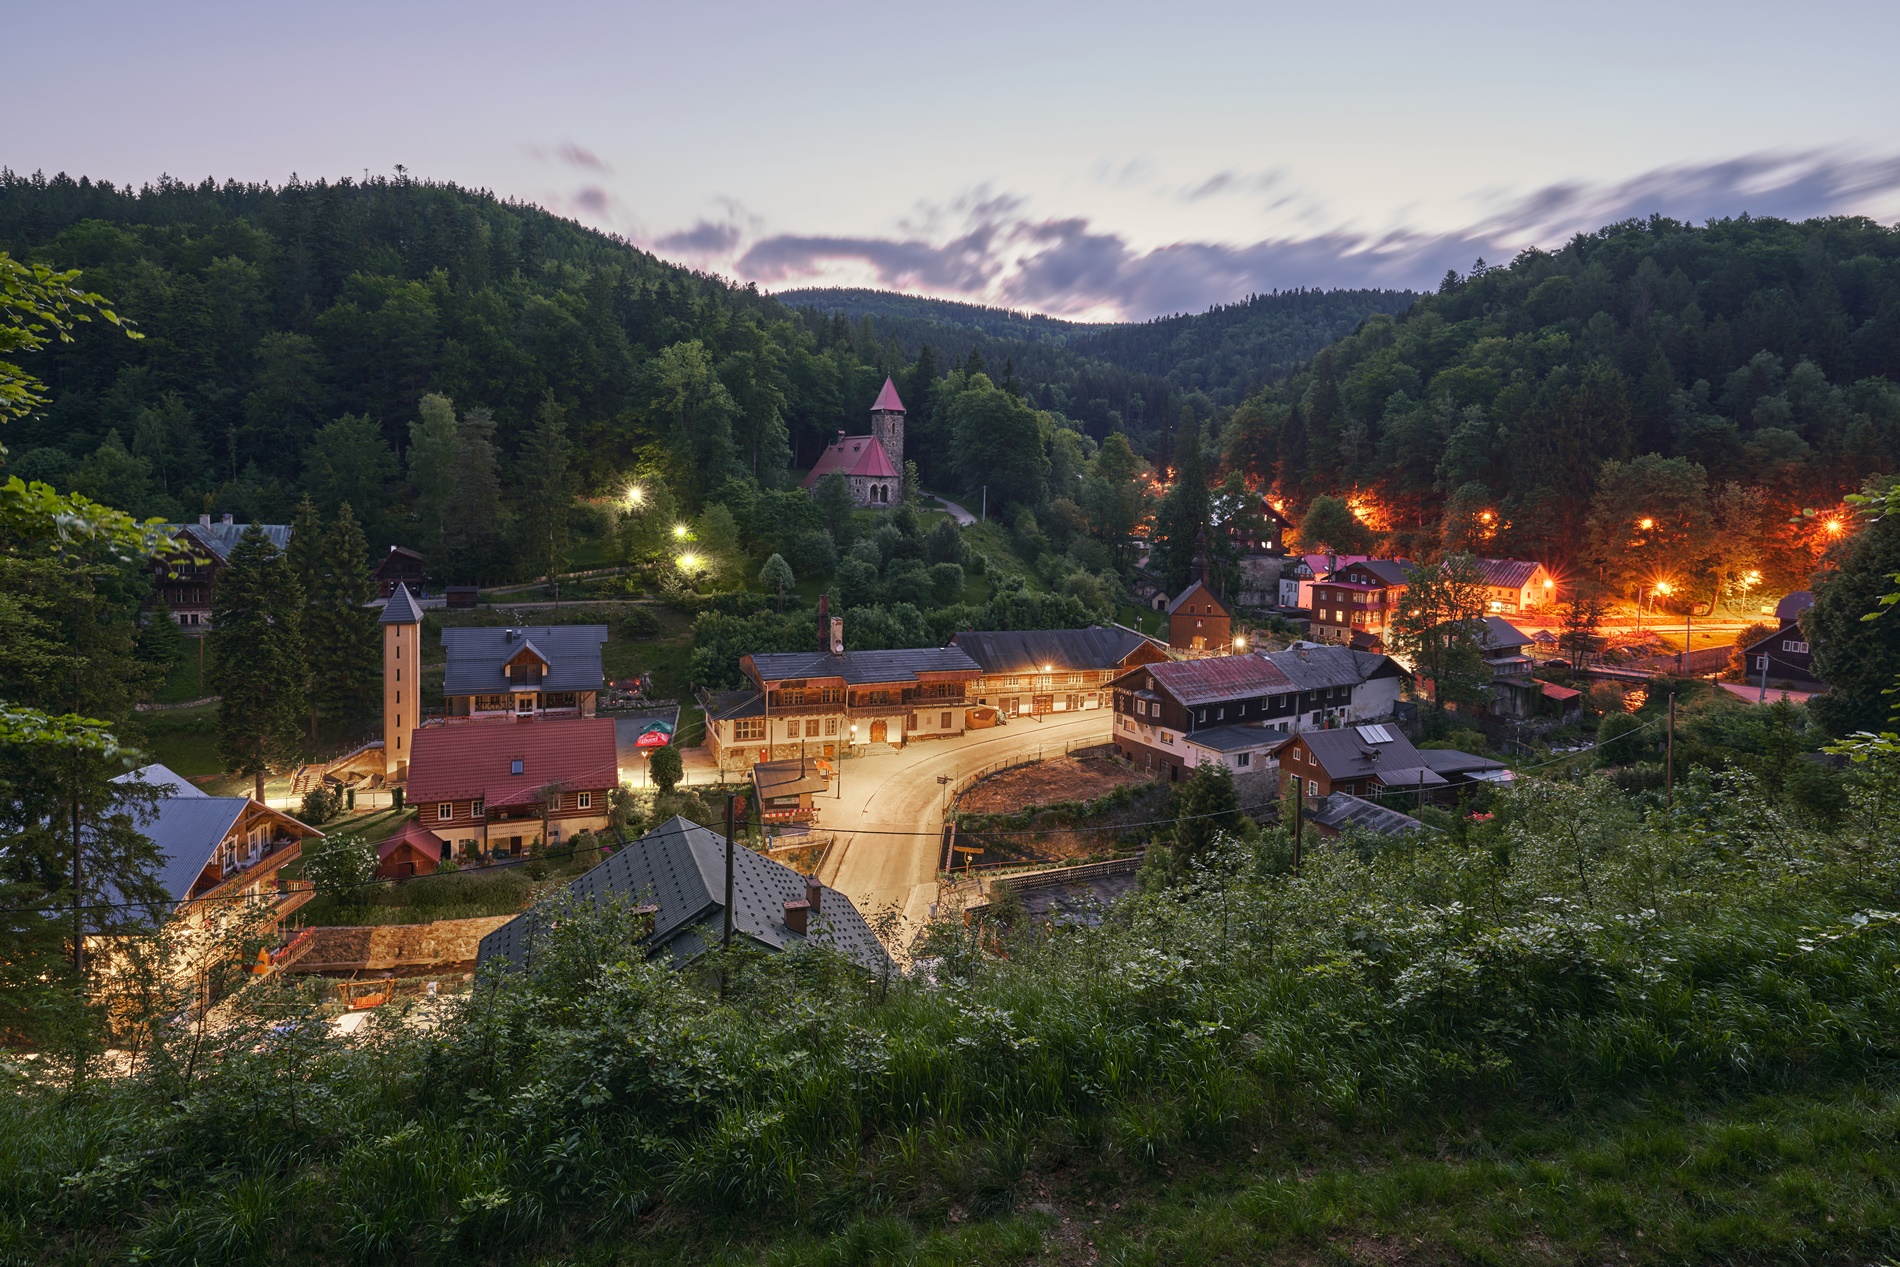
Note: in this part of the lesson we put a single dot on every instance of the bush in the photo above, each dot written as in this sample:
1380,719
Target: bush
339,866
320,804
666,767
946,582
636,624
812,554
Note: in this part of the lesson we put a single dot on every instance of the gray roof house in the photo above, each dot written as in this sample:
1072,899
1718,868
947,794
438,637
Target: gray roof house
1070,650
679,869
204,841
523,671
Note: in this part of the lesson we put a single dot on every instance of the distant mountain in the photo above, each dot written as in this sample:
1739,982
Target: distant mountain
1222,353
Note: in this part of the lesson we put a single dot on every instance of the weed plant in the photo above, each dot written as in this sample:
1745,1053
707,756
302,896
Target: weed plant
1496,1036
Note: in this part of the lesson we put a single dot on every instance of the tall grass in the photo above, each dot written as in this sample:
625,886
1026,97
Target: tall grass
1570,954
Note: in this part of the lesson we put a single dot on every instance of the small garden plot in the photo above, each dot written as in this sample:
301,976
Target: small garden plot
1056,781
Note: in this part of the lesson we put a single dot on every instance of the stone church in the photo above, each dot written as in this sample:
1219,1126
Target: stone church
872,465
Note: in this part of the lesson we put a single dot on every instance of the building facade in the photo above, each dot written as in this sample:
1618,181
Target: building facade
1358,601
1784,658
1515,585
1199,621
1302,570
402,680
401,566
523,672
1038,672
1162,710
186,571
489,790
813,703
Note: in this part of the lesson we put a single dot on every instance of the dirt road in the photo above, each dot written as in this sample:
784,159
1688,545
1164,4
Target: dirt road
898,792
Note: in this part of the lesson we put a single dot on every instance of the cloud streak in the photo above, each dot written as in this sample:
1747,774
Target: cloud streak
1070,266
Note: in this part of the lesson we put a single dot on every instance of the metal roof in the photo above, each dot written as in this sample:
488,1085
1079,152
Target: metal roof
1237,738
221,538
1206,681
476,760
401,609
477,656
1028,650
680,868
1198,590
1342,810
858,668
791,776
846,455
1790,608
1500,633
726,705
1450,761
1384,571
1506,573
1315,668
186,826
1346,754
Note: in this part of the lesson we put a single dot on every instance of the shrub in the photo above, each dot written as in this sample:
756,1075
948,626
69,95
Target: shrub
339,865
636,624
320,804
666,767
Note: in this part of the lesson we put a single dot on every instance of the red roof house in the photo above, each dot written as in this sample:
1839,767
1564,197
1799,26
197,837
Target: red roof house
474,783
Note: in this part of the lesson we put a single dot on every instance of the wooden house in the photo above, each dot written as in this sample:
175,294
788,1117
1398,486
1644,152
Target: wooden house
1199,621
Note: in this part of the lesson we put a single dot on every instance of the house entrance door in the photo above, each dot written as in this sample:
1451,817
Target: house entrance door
1044,704
878,732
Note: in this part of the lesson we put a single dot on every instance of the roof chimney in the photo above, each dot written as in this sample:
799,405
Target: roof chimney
840,437
814,891
225,519
204,521
798,916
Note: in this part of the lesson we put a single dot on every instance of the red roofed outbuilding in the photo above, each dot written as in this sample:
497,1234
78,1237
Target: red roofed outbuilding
413,851
488,787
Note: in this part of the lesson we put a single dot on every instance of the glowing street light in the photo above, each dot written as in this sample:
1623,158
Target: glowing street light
1646,524
636,495
690,562
1664,588
679,532
1833,527
1240,642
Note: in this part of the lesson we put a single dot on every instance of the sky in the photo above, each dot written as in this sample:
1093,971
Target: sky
1099,161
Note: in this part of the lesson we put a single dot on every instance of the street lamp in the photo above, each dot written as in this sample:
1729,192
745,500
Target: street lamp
679,532
1646,524
1833,527
635,495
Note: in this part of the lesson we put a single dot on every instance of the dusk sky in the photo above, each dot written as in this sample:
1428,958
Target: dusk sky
1100,161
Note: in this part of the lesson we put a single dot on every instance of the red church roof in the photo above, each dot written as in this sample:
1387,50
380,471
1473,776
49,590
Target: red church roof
875,463
887,400
459,763
852,455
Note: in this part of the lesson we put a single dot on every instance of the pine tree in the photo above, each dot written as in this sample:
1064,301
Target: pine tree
470,527
257,659
1183,514
545,489
341,634
777,574
432,447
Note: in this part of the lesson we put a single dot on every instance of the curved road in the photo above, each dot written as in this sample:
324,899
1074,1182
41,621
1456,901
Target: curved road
958,513
898,793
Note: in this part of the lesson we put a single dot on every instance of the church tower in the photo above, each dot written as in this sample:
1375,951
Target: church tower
402,680
887,424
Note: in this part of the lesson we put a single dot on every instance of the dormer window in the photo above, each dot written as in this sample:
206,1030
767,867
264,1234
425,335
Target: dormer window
514,766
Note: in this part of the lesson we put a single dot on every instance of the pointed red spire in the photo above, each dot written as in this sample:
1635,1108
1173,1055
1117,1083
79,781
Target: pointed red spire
887,401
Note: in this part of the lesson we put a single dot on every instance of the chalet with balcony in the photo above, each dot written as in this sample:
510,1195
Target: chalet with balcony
523,673
823,703
1177,715
1041,671
1354,604
186,570
1199,621
785,788
401,566
215,850
490,790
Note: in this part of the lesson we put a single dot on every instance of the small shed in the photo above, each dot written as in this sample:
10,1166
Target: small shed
786,787
413,851
461,595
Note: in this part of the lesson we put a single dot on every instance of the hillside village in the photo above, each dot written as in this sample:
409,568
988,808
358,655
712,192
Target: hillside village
977,797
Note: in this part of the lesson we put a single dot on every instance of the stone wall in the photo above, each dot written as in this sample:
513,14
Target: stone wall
446,945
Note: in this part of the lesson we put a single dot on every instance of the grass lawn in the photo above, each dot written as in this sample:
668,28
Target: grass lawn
1142,619
186,682
444,895
185,739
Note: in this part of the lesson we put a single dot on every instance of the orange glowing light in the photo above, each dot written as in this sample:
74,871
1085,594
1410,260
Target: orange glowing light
1834,528
1487,516
1665,588
1646,523
1368,512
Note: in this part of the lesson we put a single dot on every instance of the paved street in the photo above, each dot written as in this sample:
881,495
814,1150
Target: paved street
899,792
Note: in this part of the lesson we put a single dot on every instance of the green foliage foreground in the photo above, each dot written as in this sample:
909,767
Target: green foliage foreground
1364,1047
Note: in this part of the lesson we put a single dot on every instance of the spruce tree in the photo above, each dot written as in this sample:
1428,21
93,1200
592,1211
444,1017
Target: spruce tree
470,526
341,633
257,664
1183,513
545,493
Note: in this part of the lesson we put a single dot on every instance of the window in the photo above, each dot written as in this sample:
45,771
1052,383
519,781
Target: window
1244,760
1220,714
831,725
445,811
1761,661
1202,716
943,722
554,800
791,730
1167,738
514,767
811,727
475,809
583,800
1789,644
743,728
1312,787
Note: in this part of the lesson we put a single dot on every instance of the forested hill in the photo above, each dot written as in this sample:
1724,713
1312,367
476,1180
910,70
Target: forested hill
290,333
1219,355
1763,354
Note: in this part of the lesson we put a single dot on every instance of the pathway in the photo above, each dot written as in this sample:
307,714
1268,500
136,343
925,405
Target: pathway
898,793
963,517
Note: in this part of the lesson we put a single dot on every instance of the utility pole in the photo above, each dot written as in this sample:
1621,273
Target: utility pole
1669,761
986,503
731,804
